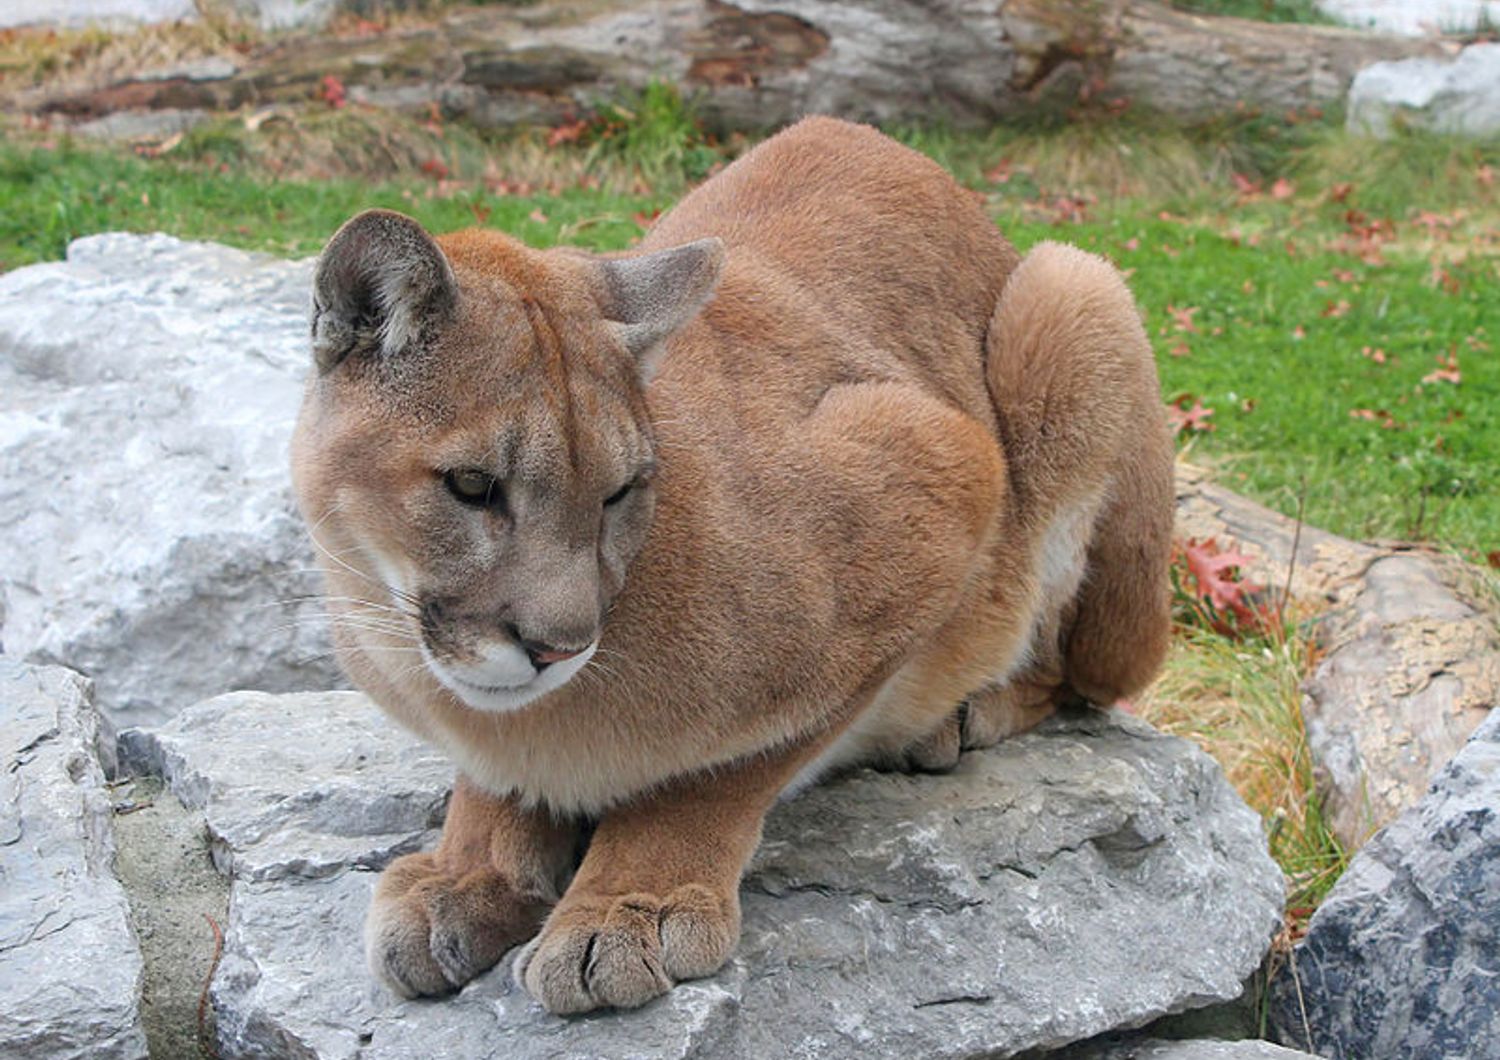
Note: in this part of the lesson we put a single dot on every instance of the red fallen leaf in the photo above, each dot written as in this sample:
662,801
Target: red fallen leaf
1336,309
331,91
569,132
435,168
1343,275
1441,277
1244,185
645,219
1493,558
1299,333
1446,372
480,211
1181,350
1283,189
1340,192
1381,416
1133,243
537,216
1374,353
999,173
1211,568
1183,316
1182,418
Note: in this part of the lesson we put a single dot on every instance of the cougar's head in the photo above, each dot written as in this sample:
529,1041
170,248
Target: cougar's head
474,451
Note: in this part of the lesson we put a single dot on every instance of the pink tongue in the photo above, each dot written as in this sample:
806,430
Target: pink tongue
555,656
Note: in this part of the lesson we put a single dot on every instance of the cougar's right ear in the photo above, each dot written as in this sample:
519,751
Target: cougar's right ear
379,280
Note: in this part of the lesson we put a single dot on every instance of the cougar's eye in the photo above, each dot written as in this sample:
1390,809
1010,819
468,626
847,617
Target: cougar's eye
473,487
620,494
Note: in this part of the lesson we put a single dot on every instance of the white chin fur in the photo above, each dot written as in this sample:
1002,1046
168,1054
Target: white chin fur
502,685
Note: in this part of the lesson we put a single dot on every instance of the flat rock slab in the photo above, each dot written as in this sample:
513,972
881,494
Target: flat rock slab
70,972
1402,960
148,389
1092,875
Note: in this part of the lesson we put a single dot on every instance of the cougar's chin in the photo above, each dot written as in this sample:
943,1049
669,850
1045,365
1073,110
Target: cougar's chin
505,684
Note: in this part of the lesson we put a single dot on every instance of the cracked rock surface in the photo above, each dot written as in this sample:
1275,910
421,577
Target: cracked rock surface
1089,876
147,393
70,973
1401,958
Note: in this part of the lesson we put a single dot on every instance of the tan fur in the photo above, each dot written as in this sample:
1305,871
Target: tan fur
891,470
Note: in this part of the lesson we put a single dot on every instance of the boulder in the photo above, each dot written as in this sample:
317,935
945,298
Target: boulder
78,13
1400,960
1413,18
148,388
70,971
1092,875
1460,96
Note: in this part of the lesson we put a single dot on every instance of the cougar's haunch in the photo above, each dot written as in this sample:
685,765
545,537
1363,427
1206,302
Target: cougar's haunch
651,539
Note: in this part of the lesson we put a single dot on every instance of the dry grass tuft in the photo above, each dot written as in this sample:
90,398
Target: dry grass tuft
1240,700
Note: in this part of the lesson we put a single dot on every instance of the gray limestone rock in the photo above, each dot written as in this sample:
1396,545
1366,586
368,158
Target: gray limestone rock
148,389
1092,875
1190,1049
94,12
1401,959
1413,17
70,971
1459,96
297,785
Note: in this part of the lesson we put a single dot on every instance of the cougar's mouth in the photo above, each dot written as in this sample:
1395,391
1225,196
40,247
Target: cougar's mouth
499,696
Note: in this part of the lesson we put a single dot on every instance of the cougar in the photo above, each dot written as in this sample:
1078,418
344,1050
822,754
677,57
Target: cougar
821,473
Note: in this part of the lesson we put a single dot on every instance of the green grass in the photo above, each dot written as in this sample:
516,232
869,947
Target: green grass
1263,10
1277,291
50,196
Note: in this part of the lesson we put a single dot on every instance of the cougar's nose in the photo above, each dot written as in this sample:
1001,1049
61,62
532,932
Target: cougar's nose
541,655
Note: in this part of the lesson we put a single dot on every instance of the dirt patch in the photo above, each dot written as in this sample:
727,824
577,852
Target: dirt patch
173,888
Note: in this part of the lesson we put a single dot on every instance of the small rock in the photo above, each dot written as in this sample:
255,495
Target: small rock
148,389
1461,96
70,970
1091,875
1400,960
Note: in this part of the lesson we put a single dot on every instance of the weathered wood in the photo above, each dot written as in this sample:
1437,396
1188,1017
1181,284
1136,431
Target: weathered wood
760,63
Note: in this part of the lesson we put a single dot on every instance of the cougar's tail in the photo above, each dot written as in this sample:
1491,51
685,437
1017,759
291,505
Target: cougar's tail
1073,379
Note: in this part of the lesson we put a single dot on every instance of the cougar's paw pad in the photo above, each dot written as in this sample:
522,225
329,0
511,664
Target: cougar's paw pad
624,951
430,932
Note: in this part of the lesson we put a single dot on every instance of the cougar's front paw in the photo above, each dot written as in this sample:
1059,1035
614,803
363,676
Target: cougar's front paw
430,931
623,951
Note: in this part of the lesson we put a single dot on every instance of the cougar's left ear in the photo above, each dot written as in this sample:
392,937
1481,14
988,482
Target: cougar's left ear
649,296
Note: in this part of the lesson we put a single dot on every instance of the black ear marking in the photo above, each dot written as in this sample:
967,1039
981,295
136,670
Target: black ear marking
379,281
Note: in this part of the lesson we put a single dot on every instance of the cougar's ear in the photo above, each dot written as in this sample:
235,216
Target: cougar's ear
379,280
649,296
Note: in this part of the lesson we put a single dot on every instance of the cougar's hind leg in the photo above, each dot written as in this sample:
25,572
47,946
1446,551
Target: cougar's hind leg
1119,632
1073,380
